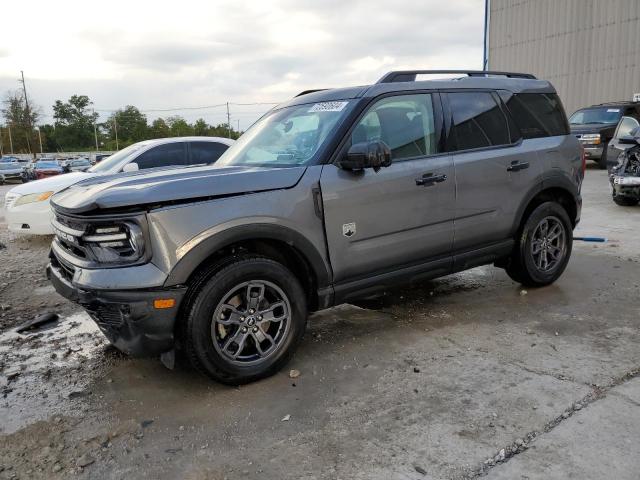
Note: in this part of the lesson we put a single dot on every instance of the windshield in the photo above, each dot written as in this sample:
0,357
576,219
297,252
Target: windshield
589,116
113,160
10,166
286,138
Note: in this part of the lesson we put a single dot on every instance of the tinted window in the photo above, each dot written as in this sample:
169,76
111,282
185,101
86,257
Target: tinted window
478,121
405,123
538,115
206,152
163,156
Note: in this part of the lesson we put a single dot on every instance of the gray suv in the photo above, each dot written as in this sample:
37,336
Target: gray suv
334,195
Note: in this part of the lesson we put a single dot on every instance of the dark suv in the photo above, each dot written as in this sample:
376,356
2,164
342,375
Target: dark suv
334,195
595,126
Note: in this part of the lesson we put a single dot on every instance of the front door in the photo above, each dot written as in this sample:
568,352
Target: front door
402,214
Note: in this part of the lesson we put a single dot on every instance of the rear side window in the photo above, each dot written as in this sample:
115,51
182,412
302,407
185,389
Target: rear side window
478,120
166,155
538,114
206,152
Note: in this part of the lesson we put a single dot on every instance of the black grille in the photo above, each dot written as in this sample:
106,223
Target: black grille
108,317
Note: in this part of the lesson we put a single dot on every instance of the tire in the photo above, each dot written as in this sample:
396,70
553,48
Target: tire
602,162
228,341
530,269
625,201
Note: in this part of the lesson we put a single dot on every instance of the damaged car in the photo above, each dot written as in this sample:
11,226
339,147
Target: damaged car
334,195
625,176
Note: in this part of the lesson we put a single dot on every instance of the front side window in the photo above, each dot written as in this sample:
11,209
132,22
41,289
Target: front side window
626,126
478,120
167,155
288,137
206,152
405,123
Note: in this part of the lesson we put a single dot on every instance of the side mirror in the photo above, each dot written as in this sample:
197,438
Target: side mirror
366,155
131,167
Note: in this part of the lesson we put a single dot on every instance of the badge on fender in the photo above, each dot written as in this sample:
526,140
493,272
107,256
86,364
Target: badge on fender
349,229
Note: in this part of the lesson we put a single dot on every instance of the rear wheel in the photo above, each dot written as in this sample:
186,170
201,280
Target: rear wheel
245,321
543,248
624,201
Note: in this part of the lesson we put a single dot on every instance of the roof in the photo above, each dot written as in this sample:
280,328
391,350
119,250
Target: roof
519,84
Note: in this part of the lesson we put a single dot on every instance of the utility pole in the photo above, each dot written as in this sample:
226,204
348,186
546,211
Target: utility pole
28,113
115,127
228,122
95,130
40,139
10,139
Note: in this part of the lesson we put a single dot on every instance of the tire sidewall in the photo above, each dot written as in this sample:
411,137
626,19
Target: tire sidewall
212,292
547,209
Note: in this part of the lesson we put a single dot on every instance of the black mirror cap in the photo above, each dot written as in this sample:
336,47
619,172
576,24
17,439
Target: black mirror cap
367,155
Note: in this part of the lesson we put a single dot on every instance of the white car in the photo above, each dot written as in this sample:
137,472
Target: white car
27,208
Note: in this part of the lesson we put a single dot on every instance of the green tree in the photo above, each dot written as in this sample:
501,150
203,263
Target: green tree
160,129
19,120
131,124
201,128
179,127
74,123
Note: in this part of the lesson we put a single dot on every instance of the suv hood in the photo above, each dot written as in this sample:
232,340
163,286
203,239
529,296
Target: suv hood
137,189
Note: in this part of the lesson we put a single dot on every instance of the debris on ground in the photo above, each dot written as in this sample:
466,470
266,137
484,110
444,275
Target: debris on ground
46,319
286,418
294,373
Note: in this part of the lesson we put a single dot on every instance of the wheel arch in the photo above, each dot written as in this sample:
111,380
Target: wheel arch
279,243
557,189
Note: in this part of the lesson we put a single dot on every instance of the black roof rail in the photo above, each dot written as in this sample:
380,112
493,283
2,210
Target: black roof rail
410,75
305,92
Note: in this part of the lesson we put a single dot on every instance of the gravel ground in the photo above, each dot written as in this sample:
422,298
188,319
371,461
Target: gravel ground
461,377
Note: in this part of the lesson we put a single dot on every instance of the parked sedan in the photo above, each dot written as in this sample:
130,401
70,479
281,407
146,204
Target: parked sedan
44,169
27,206
77,165
10,171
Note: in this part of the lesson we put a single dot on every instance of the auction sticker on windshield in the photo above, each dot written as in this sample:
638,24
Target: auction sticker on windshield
328,107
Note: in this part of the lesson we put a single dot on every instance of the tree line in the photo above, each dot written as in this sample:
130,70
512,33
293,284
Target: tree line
76,127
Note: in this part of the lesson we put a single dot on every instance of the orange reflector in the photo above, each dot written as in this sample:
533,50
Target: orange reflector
161,303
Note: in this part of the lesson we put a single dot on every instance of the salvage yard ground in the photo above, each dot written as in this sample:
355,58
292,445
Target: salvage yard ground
454,378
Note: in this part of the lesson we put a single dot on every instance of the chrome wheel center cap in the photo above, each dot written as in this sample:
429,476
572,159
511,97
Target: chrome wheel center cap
251,321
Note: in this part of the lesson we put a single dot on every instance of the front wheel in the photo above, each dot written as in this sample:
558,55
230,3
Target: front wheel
245,320
543,248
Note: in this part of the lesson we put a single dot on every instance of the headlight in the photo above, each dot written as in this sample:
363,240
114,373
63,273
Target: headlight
591,138
32,197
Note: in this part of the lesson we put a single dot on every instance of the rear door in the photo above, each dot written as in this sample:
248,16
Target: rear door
401,215
494,170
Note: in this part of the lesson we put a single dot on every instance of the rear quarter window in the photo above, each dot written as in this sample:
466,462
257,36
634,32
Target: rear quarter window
537,114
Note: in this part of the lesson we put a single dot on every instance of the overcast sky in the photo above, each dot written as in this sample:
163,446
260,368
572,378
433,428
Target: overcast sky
157,55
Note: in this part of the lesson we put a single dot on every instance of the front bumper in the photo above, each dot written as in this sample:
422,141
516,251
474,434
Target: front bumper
625,186
34,218
126,317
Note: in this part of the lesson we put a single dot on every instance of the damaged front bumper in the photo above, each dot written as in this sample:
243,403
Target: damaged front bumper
128,318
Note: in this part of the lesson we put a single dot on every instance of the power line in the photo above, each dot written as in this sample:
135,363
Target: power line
204,107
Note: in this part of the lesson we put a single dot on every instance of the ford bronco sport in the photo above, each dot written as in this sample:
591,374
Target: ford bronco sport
334,195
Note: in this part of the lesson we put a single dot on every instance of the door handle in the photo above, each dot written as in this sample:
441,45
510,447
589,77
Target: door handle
516,165
429,179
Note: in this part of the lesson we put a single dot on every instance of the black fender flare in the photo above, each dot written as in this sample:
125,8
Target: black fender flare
558,180
183,269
